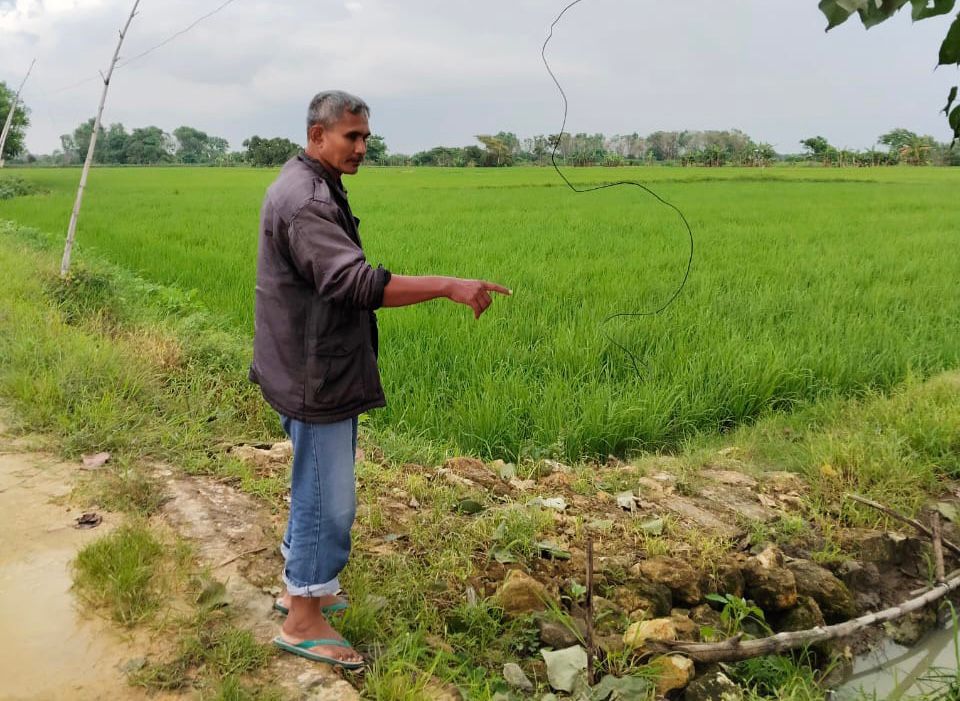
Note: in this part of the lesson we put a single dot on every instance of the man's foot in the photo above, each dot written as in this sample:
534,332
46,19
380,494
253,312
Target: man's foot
308,624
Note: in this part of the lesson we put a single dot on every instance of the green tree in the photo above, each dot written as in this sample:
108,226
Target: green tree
79,143
149,145
18,127
376,149
873,12
269,152
195,146
909,147
115,144
817,147
499,151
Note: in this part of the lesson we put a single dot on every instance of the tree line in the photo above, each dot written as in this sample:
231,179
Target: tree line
711,148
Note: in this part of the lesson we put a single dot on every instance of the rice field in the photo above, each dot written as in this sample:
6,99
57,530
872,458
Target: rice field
806,283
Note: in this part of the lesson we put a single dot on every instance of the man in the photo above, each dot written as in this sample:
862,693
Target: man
315,357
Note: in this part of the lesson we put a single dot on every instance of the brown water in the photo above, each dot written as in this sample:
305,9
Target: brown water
893,672
48,649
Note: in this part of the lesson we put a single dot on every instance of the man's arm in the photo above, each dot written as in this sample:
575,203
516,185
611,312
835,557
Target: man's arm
403,290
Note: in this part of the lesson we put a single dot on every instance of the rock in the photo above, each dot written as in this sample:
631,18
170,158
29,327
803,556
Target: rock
277,454
134,665
516,678
704,615
770,556
610,644
332,690
713,685
674,672
882,548
859,576
641,599
472,472
863,580
908,630
626,501
657,629
436,690
772,587
830,593
520,593
686,629
555,503
779,481
804,616
730,478
558,635
676,575
726,578
564,667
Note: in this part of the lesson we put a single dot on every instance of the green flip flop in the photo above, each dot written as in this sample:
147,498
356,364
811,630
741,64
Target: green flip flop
303,650
326,610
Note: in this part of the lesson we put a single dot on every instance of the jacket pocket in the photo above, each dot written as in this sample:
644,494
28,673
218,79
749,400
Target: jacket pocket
337,377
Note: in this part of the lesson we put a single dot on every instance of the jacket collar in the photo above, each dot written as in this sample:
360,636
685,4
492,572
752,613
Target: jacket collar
323,172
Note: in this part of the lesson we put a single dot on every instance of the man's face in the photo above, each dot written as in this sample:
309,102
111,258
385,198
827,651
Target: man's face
340,147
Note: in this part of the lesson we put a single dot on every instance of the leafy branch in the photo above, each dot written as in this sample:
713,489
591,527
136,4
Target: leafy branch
873,12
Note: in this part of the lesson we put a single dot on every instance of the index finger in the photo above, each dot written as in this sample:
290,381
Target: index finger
493,287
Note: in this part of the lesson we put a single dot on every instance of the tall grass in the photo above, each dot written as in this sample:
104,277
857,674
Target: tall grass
807,283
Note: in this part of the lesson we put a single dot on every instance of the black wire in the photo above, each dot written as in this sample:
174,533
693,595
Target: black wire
553,160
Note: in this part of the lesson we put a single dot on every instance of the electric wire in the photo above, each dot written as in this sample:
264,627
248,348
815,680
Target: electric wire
126,62
553,160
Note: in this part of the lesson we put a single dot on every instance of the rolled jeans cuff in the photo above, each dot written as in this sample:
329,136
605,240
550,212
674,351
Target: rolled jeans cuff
312,591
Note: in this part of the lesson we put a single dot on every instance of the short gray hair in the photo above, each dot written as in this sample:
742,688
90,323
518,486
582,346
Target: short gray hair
327,107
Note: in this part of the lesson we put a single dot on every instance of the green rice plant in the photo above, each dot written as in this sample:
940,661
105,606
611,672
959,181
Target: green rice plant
806,286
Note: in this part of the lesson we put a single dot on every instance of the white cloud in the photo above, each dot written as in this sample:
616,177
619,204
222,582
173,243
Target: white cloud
436,71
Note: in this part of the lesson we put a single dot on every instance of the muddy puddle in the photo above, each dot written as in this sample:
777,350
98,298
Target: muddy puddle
48,648
893,672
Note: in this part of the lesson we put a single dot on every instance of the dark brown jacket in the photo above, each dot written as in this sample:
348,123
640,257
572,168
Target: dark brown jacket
315,332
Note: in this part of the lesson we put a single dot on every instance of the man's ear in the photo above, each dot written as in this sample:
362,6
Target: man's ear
315,133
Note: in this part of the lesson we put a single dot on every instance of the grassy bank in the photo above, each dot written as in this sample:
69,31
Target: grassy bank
807,283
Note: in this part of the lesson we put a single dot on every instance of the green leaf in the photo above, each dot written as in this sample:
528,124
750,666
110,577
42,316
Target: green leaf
612,688
213,596
469,506
503,555
923,10
874,12
950,49
950,98
834,12
552,550
954,120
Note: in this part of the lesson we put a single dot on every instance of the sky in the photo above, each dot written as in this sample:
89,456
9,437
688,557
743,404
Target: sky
438,72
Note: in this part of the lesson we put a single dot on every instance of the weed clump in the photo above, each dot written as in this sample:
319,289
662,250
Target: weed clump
119,572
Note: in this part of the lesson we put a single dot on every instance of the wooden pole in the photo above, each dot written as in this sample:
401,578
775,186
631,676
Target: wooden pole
937,547
72,228
735,649
955,549
13,109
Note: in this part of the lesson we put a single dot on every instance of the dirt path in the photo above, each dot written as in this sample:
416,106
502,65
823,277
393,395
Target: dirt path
48,648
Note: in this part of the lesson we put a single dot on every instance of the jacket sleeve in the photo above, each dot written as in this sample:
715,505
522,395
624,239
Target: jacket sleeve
331,261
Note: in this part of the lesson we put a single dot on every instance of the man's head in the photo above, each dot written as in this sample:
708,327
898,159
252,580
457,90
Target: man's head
337,131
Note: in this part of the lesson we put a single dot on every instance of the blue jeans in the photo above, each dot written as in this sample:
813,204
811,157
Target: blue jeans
316,545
